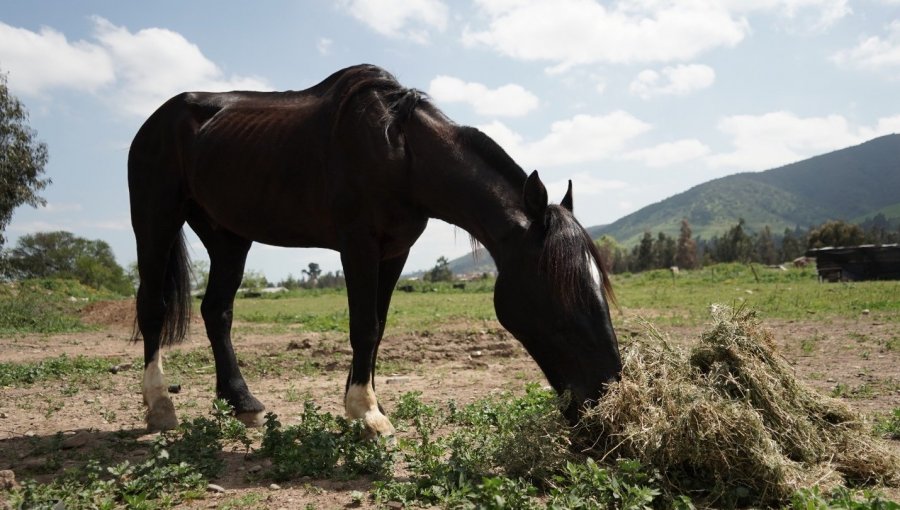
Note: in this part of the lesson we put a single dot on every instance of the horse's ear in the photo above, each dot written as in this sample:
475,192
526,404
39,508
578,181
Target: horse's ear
535,197
567,200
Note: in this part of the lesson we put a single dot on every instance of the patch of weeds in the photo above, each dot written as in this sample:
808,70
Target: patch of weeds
889,426
36,314
808,345
587,485
323,445
892,345
75,369
249,500
839,498
177,469
863,391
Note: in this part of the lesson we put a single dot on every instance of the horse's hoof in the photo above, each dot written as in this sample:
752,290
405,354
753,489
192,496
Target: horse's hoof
161,415
377,424
252,418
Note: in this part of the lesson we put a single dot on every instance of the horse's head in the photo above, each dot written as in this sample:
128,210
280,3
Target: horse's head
551,294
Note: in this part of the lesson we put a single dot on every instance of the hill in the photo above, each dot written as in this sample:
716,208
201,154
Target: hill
850,184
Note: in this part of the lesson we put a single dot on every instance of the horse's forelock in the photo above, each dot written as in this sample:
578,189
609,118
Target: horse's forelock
570,258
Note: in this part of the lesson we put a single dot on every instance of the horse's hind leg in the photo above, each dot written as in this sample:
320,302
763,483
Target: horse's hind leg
160,315
369,290
227,255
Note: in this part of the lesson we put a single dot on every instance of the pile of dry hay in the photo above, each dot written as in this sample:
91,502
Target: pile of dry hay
728,421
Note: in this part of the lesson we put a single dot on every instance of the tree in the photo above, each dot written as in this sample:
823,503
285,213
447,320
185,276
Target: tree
22,159
643,253
791,246
312,274
663,251
64,255
836,233
686,248
735,245
440,272
765,247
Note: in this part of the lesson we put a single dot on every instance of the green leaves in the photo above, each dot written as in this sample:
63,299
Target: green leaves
22,158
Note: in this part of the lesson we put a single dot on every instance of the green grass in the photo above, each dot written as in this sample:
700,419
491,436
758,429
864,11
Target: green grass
327,311
790,294
44,306
680,300
72,369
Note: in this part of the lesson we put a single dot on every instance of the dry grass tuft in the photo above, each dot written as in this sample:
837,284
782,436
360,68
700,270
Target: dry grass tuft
729,422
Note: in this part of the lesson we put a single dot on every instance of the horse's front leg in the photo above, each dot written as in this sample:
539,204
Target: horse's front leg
363,275
227,254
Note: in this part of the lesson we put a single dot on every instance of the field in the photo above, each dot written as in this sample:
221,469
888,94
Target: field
70,397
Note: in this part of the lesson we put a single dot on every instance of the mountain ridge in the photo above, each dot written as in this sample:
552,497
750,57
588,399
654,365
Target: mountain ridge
848,184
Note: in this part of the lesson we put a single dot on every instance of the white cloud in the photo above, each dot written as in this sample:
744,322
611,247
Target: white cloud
510,100
575,32
409,19
580,139
672,81
154,64
43,60
323,45
135,71
669,153
874,52
778,138
803,14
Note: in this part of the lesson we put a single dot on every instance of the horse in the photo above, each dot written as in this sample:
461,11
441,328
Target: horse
357,164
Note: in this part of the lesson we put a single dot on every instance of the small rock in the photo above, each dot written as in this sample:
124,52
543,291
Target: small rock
397,379
395,505
275,487
477,354
115,369
215,488
8,480
3,415
77,441
30,433
174,388
865,311
254,469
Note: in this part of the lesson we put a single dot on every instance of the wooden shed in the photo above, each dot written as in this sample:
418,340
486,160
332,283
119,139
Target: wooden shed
857,263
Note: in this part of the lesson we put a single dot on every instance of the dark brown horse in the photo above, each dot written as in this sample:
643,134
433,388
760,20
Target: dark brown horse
357,164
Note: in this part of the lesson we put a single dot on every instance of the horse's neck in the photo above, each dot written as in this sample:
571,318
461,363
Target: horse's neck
459,188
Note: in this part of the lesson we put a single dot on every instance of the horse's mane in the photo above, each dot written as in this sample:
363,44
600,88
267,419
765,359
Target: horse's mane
570,274
382,94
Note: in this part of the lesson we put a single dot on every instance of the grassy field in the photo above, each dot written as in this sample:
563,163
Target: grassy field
508,450
681,299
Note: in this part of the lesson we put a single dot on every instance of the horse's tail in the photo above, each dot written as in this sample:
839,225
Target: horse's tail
177,294
176,318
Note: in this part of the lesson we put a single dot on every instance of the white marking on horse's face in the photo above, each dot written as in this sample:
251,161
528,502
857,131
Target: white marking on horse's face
596,275
360,404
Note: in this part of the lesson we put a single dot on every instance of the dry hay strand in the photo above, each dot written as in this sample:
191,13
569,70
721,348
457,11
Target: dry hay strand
728,421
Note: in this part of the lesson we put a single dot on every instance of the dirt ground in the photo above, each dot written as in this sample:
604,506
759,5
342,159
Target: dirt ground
857,359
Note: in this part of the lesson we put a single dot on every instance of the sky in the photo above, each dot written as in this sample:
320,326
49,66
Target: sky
633,100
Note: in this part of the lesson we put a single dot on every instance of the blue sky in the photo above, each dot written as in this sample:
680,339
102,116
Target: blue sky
633,100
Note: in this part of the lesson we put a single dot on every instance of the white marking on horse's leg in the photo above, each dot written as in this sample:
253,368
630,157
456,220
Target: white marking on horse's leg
252,418
361,404
160,409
